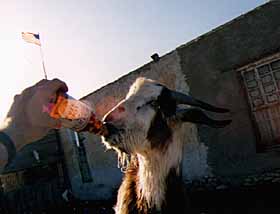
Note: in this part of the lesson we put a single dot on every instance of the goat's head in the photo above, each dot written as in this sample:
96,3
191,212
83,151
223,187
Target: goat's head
146,117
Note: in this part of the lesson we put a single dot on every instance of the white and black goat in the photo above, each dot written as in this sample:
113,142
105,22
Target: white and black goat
147,126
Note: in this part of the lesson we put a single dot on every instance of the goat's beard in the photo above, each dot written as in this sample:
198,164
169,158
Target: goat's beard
127,143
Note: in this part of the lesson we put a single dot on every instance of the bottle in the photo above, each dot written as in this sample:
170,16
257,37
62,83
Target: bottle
75,114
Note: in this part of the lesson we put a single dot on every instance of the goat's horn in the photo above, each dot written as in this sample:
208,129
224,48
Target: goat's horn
181,98
196,115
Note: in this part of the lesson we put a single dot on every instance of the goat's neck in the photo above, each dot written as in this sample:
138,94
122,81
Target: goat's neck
154,168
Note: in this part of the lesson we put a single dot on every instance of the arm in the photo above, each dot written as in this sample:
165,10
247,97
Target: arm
8,148
27,119
3,157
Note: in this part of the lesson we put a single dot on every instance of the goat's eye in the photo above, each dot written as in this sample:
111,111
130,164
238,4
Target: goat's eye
153,103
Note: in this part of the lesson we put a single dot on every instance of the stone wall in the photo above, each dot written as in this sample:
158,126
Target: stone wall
209,64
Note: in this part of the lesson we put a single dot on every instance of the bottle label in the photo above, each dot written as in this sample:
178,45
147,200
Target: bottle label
74,109
78,114
73,113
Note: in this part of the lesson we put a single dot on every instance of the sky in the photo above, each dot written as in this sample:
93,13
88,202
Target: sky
90,43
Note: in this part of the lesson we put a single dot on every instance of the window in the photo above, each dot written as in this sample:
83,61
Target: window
262,84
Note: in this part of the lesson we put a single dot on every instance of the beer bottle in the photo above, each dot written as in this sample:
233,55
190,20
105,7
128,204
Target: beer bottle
76,115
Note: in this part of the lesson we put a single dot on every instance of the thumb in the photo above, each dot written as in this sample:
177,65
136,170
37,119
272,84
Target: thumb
53,123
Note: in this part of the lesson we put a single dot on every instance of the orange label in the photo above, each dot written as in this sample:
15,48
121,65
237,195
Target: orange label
60,104
70,109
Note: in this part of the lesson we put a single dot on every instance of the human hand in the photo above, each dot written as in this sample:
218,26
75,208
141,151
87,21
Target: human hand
28,119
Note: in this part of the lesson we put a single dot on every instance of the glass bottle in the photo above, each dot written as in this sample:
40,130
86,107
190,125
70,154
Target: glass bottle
75,114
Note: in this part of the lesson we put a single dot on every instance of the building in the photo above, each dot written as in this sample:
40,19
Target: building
236,66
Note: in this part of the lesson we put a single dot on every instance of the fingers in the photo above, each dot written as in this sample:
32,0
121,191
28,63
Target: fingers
46,87
17,97
41,82
56,85
52,123
33,88
36,106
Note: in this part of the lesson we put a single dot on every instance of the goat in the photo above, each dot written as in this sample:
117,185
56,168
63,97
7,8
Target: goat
147,127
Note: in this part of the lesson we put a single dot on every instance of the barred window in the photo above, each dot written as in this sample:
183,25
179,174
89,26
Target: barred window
262,84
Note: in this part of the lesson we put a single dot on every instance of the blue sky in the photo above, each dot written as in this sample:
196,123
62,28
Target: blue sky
89,43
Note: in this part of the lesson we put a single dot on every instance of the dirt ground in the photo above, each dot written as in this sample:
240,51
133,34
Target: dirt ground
260,200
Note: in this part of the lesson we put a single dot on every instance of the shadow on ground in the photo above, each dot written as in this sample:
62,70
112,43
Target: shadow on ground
260,200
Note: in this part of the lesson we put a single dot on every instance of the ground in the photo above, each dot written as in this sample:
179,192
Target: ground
250,200
253,200
260,200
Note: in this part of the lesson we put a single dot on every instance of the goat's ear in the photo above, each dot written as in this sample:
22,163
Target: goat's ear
167,104
195,115
159,131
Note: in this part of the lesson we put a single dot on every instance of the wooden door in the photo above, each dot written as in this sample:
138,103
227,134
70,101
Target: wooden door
262,84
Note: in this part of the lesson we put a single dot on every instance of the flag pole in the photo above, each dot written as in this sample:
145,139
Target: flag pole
43,63
35,39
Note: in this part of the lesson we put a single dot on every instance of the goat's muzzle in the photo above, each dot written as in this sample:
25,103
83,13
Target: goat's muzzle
110,130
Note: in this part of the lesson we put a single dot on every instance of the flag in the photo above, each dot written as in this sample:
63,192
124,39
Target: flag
31,38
